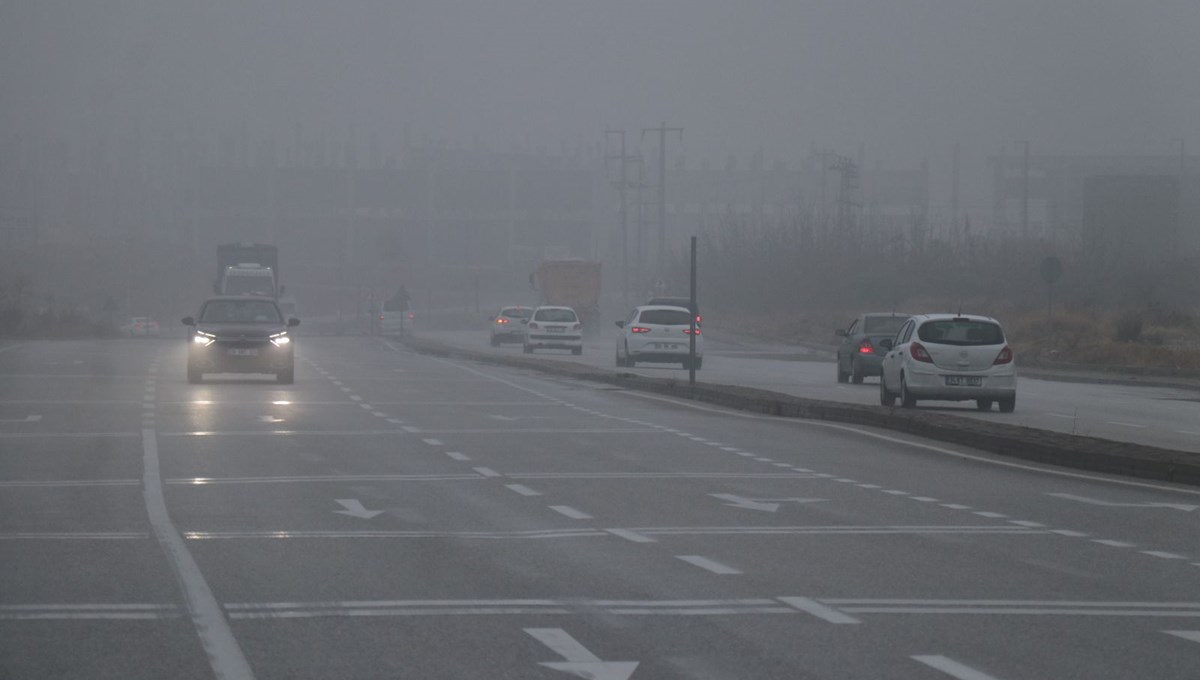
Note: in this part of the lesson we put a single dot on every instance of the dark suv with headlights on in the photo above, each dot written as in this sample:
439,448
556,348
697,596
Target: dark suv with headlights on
240,335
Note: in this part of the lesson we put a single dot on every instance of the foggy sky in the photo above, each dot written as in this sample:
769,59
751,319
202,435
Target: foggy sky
905,78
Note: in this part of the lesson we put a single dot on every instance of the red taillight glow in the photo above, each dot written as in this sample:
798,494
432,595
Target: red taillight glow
690,331
865,347
410,316
920,353
381,317
501,320
1005,357
698,319
639,329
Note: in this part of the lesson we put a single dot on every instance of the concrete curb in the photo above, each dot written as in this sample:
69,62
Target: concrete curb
1042,446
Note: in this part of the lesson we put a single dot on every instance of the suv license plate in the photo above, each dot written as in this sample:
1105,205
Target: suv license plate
243,352
967,380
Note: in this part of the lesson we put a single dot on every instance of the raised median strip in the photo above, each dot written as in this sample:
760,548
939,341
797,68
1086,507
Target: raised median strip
1042,446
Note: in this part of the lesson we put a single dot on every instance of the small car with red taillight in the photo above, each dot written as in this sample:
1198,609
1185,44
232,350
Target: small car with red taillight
949,357
508,325
859,354
659,334
553,328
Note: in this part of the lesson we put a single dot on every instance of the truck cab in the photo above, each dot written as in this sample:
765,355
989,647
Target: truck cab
248,279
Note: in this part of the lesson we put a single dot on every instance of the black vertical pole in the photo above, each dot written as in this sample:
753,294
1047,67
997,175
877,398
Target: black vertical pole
692,314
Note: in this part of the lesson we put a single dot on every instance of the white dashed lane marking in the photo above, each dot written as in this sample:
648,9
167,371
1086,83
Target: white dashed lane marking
568,511
708,565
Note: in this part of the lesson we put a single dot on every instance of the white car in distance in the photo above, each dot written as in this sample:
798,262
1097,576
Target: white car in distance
658,334
949,357
554,328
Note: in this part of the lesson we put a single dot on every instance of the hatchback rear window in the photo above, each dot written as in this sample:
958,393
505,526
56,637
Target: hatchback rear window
516,313
666,317
560,315
961,332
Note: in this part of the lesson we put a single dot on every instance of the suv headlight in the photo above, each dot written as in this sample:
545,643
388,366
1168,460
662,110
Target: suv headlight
280,339
204,339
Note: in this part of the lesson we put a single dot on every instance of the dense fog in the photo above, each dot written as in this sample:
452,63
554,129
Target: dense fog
451,146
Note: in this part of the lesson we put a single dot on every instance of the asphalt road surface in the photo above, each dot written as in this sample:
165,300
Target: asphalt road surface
1168,418
392,515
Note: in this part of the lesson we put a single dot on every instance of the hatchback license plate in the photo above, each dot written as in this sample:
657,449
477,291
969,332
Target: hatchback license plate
243,352
967,380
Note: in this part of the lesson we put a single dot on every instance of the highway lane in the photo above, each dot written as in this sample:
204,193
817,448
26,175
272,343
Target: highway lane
396,515
1168,418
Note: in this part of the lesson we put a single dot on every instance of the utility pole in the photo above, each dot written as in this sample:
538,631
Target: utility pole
954,192
622,186
662,131
1025,192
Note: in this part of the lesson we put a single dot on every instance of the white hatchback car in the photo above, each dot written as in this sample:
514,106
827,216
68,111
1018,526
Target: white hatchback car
658,334
554,328
950,357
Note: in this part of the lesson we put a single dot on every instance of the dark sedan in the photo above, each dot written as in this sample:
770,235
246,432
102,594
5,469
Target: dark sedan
240,335
859,354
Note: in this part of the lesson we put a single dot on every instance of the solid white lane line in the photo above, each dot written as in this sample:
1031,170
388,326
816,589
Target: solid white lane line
76,536
224,654
800,422
523,490
951,667
708,565
810,606
568,511
631,536
1192,635
487,472
71,482
1164,555
433,442
1122,424
458,456
1111,543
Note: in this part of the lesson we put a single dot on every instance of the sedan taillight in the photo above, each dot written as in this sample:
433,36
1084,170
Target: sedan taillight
865,347
690,331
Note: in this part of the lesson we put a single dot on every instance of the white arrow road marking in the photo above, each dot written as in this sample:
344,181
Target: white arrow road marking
579,661
1094,501
763,504
354,508
951,667
26,419
1193,635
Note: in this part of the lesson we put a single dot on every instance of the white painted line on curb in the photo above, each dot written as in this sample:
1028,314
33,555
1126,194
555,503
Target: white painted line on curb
523,490
631,536
224,654
951,667
1164,555
809,606
568,511
707,564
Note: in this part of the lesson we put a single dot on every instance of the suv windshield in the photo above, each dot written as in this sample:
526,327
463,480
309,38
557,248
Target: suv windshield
884,325
240,311
554,315
666,317
961,332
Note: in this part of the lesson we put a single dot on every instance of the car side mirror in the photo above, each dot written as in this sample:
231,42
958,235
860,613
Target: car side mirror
841,332
188,321
886,343
293,322
620,324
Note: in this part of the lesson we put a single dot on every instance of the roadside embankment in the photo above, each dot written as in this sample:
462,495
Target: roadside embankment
1043,446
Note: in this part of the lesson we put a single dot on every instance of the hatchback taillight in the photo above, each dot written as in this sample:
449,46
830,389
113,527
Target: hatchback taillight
502,320
690,331
639,329
1005,357
920,353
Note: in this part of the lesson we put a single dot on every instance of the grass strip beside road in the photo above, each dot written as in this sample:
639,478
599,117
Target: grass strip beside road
1025,443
